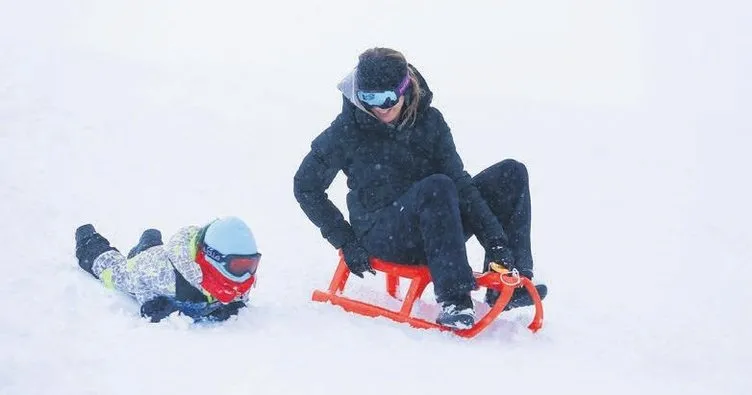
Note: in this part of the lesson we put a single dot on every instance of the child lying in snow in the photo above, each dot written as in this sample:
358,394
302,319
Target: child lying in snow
202,272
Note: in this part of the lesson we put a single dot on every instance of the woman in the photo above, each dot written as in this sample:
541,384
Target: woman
204,272
410,199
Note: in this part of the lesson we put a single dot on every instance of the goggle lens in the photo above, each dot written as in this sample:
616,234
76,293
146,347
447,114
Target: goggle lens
242,265
385,99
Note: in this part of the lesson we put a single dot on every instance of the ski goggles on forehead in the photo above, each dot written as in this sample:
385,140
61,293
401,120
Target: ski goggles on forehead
384,99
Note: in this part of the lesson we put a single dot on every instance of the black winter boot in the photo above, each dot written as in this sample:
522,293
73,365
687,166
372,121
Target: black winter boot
90,245
150,238
520,297
457,314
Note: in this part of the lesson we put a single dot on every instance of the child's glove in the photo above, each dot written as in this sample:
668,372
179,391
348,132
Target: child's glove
162,306
225,311
158,308
356,258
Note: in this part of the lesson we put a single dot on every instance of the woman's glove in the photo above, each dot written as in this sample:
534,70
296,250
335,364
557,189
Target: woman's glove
500,254
356,258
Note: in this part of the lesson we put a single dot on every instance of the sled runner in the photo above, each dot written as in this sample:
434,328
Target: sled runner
503,281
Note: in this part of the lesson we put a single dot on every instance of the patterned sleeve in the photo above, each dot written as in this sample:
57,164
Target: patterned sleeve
182,252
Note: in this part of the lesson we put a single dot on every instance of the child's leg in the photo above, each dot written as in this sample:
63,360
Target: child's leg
146,275
101,260
89,246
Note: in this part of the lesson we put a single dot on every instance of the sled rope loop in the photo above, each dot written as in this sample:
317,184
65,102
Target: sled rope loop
499,278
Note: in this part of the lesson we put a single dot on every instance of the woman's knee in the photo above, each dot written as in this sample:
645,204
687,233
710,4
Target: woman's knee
437,185
508,169
438,182
514,169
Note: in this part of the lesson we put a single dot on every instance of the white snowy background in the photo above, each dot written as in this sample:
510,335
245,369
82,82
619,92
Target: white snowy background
632,117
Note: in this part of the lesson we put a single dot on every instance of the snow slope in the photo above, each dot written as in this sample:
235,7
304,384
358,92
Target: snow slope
632,118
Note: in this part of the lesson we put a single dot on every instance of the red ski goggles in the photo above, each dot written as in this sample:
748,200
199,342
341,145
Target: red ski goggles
238,267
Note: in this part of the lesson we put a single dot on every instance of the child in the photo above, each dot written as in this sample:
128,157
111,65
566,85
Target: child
202,272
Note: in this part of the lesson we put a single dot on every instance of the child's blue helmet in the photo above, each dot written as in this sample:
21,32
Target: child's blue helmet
229,245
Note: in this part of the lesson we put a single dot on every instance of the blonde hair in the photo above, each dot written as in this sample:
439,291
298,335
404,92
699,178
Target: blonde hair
410,113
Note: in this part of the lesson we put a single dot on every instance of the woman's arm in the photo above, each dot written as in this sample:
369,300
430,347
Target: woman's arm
314,176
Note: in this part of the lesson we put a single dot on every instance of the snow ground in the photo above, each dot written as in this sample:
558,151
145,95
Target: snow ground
632,118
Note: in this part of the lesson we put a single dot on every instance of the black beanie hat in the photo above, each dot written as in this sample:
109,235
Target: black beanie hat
377,72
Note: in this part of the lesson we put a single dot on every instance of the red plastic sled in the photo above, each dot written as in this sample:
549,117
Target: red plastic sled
420,277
